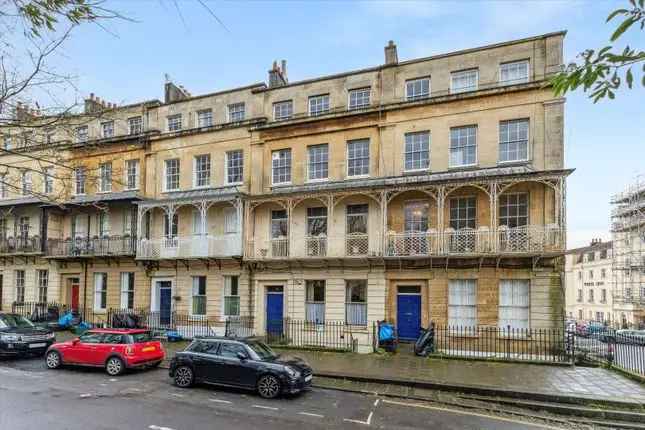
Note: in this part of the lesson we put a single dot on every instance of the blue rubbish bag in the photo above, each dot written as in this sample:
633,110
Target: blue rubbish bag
385,332
66,320
173,336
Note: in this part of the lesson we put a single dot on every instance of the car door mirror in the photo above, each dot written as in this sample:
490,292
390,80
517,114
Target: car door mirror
76,341
242,356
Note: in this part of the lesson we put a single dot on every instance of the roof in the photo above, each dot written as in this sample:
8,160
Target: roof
107,197
429,178
119,330
213,194
21,201
599,246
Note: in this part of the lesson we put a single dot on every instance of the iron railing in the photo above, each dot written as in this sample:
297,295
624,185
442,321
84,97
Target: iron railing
96,246
21,245
196,246
39,312
327,335
623,350
503,343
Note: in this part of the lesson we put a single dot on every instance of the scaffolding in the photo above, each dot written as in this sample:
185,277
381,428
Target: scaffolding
628,263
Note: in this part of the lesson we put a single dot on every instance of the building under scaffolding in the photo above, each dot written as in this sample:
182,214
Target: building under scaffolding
628,232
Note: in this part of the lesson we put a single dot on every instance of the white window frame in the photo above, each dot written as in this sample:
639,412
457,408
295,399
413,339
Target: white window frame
103,224
322,103
48,180
277,106
105,177
323,164
206,172
26,183
129,172
528,141
227,166
107,126
135,125
515,81
460,73
420,96
311,303
462,303
195,293
348,293
357,91
226,293
231,112
42,276
174,119
19,281
514,306
165,174
204,118
467,145
273,167
80,177
127,289
358,141
100,289
405,151
82,133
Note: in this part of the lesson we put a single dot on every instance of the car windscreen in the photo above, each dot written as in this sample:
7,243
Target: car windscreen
141,337
15,321
262,350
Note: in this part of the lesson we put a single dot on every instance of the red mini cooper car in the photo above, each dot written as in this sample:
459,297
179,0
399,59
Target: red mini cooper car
114,349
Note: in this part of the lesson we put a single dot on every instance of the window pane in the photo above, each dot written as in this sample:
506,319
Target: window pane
513,140
462,303
281,166
466,80
358,157
463,146
318,104
417,150
318,162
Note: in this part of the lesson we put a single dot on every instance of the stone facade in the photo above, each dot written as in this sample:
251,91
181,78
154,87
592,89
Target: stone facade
213,197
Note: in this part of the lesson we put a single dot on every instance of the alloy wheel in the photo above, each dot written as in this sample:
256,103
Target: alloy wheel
53,360
183,377
269,386
114,366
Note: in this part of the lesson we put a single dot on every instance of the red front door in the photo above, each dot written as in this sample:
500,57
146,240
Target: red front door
74,288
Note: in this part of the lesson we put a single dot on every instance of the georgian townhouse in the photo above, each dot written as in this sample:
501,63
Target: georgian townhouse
419,191
430,190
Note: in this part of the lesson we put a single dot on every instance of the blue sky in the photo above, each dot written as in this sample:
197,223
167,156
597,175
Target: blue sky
604,142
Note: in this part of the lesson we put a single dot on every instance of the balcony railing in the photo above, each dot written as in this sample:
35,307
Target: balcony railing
196,246
20,245
503,240
351,245
90,247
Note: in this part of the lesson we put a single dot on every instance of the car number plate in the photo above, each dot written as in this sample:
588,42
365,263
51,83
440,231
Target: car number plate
37,345
307,378
148,349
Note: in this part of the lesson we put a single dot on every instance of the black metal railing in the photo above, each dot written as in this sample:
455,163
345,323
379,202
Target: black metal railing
617,348
327,335
21,245
39,312
503,343
101,246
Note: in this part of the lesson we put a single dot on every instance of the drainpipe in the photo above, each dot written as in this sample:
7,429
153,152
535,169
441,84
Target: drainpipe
84,289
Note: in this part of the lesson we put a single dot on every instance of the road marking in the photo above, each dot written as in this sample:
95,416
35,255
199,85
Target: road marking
86,395
154,427
221,401
177,395
113,380
376,402
475,414
356,421
309,414
264,407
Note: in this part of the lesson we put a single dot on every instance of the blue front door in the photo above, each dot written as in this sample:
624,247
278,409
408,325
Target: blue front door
275,309
408,316
165,301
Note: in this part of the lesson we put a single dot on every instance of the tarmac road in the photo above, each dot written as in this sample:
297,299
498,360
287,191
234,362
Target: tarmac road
79,399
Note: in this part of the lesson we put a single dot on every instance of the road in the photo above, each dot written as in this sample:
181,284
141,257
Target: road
79,399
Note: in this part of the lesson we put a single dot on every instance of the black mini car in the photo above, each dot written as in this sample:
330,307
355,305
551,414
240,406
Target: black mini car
243,363
19,336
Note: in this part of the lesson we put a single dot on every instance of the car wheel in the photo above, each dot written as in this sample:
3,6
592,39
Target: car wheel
269,386
184,377
114,366
53,360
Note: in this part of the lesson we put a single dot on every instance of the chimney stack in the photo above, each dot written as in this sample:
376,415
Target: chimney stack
94,104
173,93
391,56
23,112
278,75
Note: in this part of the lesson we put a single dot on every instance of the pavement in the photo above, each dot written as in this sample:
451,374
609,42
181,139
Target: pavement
530,381
79,398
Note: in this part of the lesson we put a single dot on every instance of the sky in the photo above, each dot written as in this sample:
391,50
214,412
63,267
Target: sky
126,62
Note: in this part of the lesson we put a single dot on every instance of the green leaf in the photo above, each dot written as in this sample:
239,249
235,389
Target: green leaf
622,28
629,78
616,12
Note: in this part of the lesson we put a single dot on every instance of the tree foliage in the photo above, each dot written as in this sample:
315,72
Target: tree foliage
603,71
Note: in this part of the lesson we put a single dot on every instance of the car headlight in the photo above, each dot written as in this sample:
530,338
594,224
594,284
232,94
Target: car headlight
51,335
9,337
293,373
